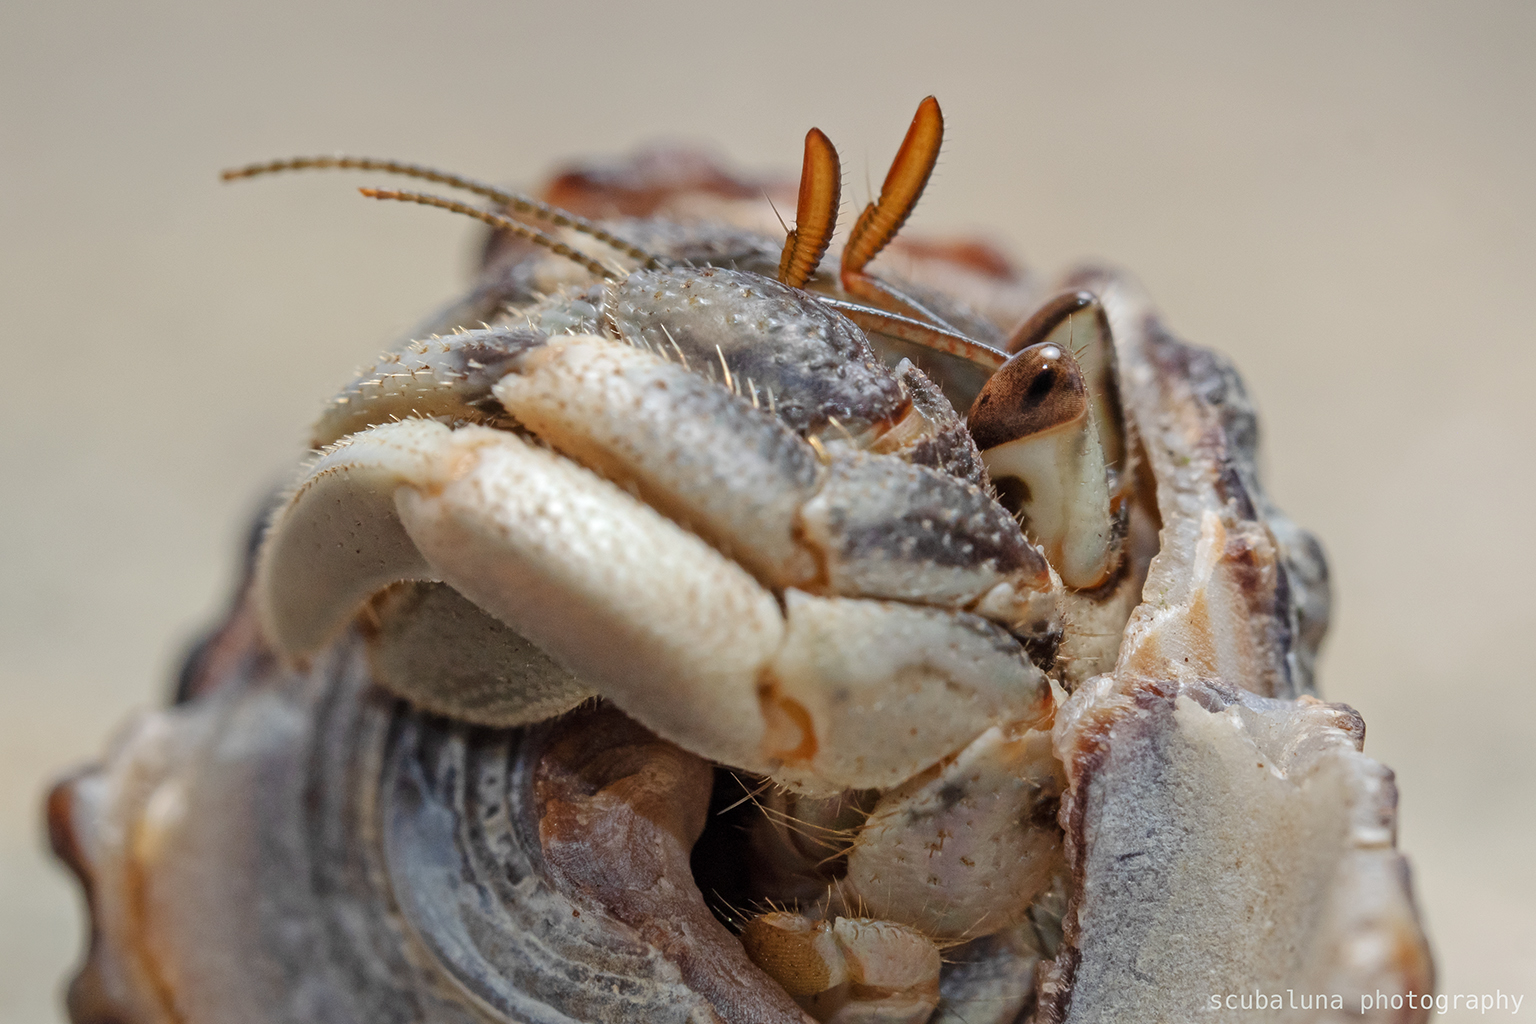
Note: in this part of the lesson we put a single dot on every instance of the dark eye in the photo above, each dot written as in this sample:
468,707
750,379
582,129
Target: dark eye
1041,386
1034,424
1075,322
1039,389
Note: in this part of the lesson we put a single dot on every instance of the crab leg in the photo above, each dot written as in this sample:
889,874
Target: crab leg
449,376
848,971
966,849
432,646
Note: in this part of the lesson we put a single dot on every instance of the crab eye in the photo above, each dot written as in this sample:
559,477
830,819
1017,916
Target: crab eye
1038,390
1034,425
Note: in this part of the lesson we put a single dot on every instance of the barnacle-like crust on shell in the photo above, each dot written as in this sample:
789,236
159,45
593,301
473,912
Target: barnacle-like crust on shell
1236,591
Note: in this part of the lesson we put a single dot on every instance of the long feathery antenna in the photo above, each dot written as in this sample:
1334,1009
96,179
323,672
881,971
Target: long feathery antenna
496,220
522,204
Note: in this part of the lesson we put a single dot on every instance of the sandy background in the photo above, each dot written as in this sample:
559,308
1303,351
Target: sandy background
1339,195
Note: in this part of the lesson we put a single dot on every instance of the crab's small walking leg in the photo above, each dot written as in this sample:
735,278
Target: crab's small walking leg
431,645
965,850
448,377
848,971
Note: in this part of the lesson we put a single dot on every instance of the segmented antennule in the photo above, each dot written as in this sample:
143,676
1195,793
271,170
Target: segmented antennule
821,184
903,186
496,221
880,221
517,202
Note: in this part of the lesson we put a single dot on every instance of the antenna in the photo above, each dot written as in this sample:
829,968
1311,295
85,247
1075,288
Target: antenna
512,200
495,220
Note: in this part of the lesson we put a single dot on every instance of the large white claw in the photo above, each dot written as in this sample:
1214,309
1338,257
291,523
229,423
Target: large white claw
651,616
339,540
658,621
885,689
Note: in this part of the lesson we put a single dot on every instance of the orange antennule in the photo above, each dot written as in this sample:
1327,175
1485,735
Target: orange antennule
821,187
495,220
903,186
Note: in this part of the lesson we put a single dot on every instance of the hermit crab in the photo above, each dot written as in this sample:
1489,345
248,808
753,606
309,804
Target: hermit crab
686,626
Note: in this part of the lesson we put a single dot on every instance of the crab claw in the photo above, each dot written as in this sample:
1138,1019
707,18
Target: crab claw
637,609
581,569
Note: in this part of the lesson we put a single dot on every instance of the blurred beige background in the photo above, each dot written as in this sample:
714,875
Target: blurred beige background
1340,195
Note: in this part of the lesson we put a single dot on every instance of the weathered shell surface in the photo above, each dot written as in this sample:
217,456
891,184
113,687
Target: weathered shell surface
301,847
1226,833
296,845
